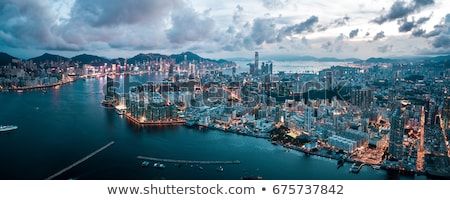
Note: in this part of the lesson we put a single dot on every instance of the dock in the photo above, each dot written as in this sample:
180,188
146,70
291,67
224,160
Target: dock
205,162
80,161
172,122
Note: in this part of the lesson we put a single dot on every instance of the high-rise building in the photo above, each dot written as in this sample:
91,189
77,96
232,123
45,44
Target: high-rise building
396,134
446,112
256,60
309,114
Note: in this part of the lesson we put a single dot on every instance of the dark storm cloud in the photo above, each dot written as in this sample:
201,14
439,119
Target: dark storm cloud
379,36
264,30
118,12
306,26
442,41
188,26
423,20
406,26
401,9
353,33
28,24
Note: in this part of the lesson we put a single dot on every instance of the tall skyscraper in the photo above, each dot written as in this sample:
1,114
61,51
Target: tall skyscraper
446,112
256,62
309,114
396,134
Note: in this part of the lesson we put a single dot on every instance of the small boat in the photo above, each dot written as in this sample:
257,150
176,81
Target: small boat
145,164
220,169
159,165
200,168
7,127
251,178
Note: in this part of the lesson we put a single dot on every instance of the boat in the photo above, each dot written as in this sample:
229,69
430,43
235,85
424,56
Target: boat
159,165
252,178
145,164
7,128
356,167
220,169
376,167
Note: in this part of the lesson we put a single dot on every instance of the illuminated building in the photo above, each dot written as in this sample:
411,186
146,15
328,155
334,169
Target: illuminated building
396,135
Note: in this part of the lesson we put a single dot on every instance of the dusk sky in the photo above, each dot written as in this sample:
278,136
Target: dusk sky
226,29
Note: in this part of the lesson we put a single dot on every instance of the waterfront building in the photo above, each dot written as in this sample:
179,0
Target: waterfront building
446,112
309,118
396,134
342,143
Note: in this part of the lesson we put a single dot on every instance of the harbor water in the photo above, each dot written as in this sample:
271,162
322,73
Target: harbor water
63,125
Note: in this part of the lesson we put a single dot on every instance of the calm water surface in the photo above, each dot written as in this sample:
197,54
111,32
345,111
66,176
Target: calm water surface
64,125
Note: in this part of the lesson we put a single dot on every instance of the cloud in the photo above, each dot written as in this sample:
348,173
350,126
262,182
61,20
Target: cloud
328,46
418,32
379,36
353,33
264,30
385,48
110,13
305,26
305,41
340,38
275,4
238,14
442,41
27,23
334,24
406,25
401,9
188,26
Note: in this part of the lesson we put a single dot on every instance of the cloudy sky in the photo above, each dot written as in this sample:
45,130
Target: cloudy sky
226,29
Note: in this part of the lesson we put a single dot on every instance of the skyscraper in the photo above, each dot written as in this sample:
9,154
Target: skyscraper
396,134
446,112
256,60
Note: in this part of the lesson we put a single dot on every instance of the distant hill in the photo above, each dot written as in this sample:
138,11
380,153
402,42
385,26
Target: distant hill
376,60
5,59
177,57
90,59
304,58
144,58
46,57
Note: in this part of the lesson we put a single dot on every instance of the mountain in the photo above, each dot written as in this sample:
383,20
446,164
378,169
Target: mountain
144,58
90,59
377,60
292,58
5,59
46,57
177,57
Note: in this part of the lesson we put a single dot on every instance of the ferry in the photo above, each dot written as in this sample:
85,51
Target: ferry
159,165
7,128
145,164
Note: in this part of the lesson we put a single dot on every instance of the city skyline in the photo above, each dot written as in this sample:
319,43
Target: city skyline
228,29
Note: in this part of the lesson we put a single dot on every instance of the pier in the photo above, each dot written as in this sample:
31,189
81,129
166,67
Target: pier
172,122
189,161
80,161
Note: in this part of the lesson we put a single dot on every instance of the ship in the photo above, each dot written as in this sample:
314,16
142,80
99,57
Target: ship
7,128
